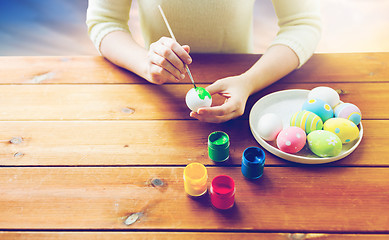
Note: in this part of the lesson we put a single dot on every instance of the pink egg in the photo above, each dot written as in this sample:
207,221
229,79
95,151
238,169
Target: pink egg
291,139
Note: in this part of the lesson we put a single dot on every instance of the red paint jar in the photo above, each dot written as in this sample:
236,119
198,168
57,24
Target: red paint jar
222,192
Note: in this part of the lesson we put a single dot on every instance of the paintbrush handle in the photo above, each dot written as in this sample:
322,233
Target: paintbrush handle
172,35
190,75
167,23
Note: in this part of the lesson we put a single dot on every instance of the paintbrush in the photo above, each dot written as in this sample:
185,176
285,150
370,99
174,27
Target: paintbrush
172,35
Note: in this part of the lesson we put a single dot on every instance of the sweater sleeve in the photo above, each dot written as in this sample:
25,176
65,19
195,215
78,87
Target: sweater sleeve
300,26
105,16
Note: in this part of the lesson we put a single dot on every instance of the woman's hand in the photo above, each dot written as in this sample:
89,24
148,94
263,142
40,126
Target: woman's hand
236,90
166,60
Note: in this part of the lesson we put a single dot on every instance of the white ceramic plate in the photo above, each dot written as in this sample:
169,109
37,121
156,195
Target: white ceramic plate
285,104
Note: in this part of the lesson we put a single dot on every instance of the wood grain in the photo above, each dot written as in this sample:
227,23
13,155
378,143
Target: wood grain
283,200
206,68
151,143
180,236
62,69
124,102
81,141
343,67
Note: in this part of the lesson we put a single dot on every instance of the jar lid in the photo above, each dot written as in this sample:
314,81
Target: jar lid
253,156
223,186
218,140
195,173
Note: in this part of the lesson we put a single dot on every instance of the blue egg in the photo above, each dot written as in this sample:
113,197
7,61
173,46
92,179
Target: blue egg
319,107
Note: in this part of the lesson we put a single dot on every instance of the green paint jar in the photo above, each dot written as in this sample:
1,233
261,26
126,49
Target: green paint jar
218,146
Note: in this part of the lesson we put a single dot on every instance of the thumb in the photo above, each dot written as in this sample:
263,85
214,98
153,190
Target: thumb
215,87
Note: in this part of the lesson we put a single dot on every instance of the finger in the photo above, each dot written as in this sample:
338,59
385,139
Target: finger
220,113
170,56
224,109
212,119
159,75
179,51
186,48
167,53
165,64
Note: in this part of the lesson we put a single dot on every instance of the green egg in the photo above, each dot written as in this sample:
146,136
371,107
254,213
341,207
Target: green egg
324,143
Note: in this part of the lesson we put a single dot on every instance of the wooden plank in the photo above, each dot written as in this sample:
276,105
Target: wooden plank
321,68
110,102
158,143
343,67
337,200
206,68
95,69
180,236
62,69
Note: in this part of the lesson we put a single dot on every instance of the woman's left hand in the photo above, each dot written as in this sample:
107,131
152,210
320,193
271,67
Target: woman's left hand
235,90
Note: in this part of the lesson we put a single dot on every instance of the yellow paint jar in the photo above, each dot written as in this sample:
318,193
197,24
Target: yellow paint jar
195,179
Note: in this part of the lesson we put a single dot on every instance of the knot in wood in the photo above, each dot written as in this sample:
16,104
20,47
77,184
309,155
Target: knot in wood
18,155
297,236
341,91
156,182
128,110
16,140
43,77
132,218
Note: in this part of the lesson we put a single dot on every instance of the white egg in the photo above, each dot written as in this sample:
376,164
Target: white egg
326,94
198,98
269,126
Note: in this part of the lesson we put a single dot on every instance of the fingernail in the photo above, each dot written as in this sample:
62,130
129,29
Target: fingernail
182,76
189,60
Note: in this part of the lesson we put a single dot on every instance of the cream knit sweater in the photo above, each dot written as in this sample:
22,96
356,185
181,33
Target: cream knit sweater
218,26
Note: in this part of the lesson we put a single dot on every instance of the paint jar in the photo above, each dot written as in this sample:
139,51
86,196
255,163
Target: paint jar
218,146
195,179
253,161
222,192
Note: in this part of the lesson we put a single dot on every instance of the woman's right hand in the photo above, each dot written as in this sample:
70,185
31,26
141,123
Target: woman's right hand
166,59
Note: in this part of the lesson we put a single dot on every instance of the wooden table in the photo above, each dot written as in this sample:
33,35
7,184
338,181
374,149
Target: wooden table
86,145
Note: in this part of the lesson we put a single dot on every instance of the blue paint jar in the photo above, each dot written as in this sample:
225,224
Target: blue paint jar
253,161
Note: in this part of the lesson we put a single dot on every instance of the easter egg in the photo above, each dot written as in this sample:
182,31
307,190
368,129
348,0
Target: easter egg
324,143
346,130
291,139
197,98
319,107
326,94
308,121
269,125
348,111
